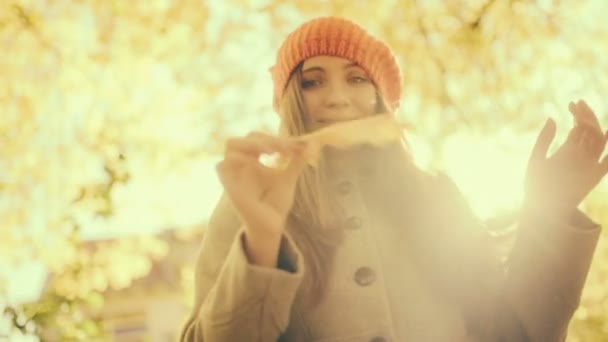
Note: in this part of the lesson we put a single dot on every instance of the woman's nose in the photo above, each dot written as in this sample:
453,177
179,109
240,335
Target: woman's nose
336,97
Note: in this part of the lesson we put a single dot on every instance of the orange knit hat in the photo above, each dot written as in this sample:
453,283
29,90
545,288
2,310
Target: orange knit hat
340,38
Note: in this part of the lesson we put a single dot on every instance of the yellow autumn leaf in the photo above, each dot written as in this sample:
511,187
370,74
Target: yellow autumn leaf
375,130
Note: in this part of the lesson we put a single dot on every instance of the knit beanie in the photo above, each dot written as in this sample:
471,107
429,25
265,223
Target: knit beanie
338,37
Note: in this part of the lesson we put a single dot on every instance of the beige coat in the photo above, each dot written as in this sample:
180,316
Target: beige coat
375,292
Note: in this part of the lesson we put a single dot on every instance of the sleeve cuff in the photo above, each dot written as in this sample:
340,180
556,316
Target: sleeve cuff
580,220
562,251
547,270
241,285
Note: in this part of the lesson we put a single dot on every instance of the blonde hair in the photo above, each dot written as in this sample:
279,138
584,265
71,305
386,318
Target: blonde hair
315,219
312,222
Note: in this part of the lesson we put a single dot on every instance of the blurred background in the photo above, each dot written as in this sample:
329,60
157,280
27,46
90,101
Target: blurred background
113,114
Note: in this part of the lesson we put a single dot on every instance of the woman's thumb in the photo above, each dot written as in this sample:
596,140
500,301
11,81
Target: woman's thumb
543,141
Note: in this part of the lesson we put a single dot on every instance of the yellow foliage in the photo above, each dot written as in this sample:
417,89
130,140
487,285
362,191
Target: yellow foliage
109,107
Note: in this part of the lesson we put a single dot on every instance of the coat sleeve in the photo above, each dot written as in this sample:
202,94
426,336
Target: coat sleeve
235,300
543,278
546,272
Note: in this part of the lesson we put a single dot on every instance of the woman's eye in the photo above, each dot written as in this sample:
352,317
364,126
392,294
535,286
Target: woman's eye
309,83
358,79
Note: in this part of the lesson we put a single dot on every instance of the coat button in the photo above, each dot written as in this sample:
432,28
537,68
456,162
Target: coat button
378,339
344,188
365,276
353,223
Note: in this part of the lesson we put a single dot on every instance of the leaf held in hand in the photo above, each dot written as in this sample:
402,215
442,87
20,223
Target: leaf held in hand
376,130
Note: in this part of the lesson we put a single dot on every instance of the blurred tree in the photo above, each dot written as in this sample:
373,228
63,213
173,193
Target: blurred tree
111,108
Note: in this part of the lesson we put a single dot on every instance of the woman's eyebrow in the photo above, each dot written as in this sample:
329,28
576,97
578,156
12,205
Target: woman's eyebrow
318,68
351,65
314,68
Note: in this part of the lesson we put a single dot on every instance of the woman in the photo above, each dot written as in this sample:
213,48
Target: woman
366,246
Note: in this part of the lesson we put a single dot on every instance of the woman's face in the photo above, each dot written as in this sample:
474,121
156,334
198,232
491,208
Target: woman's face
335,89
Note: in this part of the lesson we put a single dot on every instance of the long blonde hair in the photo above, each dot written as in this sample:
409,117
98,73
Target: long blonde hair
315,219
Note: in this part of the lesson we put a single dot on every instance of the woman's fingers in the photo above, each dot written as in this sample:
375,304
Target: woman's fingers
592,144
575,135
582,141
229,168
237,160
543,142
589,115
244,179
579,114
588,133
256,144
584,116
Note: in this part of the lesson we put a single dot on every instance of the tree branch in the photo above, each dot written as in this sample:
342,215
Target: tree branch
445,99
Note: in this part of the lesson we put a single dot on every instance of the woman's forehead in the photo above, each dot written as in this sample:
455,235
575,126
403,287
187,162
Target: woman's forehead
326,62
